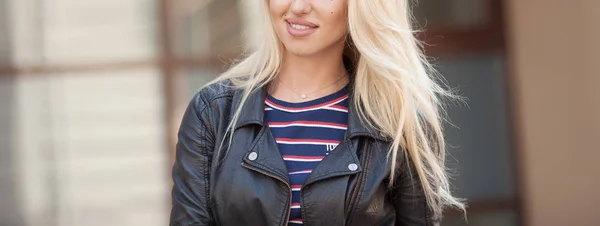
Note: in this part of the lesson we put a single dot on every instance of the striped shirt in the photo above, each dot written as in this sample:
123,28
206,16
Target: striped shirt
305,133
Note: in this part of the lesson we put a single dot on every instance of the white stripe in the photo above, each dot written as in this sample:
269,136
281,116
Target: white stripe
335,109
296,222
310,109
301,160
301,172
295,207
338,101
306,142
296,189
268,109
308,125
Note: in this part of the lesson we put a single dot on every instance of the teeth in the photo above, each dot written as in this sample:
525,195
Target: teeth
300,27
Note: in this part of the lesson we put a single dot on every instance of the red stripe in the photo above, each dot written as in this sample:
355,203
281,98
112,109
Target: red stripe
306,122
295,204
303,157
296,186
306,108
307,140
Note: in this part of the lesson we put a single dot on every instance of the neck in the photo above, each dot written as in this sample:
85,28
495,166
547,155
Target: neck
306,73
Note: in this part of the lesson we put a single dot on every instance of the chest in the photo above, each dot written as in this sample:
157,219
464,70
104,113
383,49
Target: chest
251,185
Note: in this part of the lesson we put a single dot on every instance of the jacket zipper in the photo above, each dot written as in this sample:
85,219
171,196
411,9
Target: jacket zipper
357,186
288,211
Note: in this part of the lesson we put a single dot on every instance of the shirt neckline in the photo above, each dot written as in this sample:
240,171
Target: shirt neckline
340,93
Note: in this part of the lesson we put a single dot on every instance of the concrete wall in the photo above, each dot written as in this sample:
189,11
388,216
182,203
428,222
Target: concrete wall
554,51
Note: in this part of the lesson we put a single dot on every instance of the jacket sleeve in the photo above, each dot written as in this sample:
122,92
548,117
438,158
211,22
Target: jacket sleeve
409,200
191,170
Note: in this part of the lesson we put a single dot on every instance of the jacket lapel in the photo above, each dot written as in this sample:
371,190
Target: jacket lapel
264,153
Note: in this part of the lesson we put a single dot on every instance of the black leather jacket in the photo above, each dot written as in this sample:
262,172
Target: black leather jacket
248,185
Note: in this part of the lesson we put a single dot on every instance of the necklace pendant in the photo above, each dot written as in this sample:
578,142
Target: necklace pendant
303,96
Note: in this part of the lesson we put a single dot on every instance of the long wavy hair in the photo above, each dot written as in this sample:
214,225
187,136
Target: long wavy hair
395,88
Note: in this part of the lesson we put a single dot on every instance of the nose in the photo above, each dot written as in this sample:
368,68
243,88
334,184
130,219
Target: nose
300,7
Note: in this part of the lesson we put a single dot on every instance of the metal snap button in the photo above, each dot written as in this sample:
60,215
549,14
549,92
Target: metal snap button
352,167
253,156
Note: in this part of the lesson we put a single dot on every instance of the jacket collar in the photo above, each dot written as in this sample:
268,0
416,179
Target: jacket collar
253,112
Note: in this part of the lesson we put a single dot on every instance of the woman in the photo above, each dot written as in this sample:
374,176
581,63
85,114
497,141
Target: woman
332,120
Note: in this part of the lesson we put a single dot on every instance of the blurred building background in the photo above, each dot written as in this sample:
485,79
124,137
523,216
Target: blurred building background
92,92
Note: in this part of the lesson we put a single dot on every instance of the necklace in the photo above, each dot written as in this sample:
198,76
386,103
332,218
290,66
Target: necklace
305,95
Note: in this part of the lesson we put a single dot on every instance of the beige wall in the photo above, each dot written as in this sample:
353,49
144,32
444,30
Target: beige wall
554,47
83,147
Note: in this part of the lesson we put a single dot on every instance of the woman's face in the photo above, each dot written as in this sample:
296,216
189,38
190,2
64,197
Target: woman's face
309,27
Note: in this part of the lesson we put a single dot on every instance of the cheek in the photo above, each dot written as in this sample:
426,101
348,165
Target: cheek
336,13
337,7
338,21
278,7
341,19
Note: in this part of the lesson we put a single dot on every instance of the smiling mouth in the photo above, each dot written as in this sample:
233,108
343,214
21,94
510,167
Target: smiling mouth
301,25
300,28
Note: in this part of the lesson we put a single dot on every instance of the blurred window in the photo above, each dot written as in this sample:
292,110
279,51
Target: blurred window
455,14
466,39
82,126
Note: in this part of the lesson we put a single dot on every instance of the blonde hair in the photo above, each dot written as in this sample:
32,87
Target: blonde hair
395,88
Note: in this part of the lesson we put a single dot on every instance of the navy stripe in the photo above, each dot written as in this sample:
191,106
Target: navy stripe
330,115
295,132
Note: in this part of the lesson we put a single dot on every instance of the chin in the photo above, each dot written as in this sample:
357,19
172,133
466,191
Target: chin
301,52
302,49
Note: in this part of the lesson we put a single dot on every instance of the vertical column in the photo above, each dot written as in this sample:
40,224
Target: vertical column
25,20
556,91
26,139
9,210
